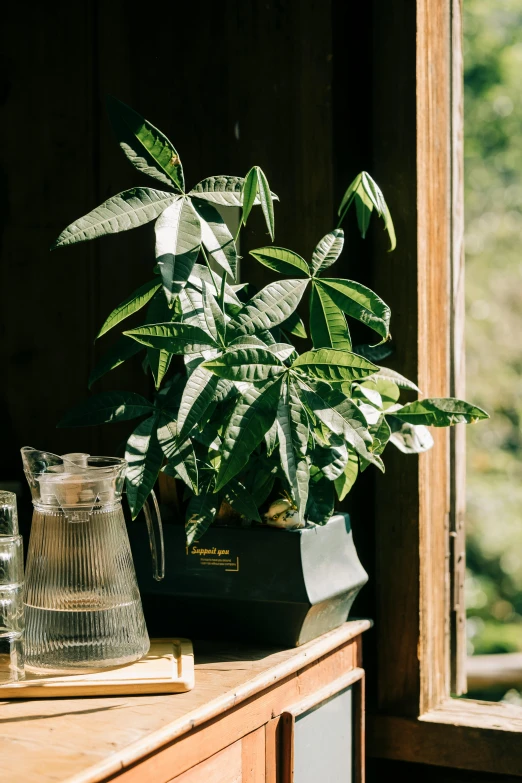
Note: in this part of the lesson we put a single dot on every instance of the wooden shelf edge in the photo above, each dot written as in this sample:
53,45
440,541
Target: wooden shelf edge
460,733
305,655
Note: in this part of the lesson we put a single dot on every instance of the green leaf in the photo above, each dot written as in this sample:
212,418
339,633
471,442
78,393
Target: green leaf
347,479
217,238
327,251
253,415
328,325
107,407
191,303
339,414
201,274
173,337
169,397
182,462
282,350
334,366
267,205
268,308
131,305
321,501
365,392
127,210
440,412
145,146
225,190
144,457
370,413
373,191
271,439
281,260
367,196
331,460
381,434
388,390
364,463
178,239
259,479
398,379
198,395
214,317
201,512
242,501
158,311
409,438
294,325
249,193
363,209
375,353
358,301
159,362
118,353
292,428
349,195
246,363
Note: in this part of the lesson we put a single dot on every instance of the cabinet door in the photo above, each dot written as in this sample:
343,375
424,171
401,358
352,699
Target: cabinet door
323,736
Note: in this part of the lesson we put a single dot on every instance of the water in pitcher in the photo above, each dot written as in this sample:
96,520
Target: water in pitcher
82,639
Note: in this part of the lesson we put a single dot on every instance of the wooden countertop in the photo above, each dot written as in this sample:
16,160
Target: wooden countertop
86,740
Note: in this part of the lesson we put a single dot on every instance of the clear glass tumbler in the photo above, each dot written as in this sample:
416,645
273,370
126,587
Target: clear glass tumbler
11,592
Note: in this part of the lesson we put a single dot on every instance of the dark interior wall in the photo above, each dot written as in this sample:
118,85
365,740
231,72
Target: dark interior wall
232,83
381,769
284,84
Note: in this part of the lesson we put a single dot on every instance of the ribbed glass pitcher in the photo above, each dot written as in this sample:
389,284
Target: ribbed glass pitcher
82,605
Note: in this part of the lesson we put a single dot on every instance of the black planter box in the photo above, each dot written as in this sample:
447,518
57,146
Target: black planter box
281,587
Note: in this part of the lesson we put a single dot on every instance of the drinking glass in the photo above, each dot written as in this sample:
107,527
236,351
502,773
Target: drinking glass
11,591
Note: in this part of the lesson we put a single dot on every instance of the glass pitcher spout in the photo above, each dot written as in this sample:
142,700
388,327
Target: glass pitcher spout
73,480
78,483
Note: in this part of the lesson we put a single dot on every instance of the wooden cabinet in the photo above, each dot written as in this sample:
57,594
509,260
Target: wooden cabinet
318,737
254,716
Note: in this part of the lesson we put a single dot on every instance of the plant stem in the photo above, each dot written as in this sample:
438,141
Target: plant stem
236,237
222,292
207,262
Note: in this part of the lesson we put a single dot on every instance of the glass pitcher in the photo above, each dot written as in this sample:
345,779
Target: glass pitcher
81,600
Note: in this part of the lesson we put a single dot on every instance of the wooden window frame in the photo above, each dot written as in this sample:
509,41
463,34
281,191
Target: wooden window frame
419,571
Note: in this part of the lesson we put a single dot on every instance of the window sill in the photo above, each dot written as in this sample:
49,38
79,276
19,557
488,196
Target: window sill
460,733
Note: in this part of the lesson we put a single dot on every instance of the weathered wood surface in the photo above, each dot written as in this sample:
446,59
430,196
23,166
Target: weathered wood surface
460,733
412,155
90,739
458,637
495,670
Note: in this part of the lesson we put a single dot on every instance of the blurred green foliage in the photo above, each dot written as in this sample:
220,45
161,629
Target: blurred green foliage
493,204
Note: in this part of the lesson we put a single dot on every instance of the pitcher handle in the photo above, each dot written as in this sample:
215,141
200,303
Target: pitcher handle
158,565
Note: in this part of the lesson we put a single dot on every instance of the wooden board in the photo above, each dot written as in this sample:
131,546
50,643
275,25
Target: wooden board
167,668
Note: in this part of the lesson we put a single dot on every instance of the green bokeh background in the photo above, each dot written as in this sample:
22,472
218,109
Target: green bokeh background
493,206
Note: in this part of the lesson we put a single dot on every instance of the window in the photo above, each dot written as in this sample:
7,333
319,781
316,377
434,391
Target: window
493,205
419,640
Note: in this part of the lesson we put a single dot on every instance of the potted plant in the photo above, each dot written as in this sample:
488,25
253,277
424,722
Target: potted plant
260,435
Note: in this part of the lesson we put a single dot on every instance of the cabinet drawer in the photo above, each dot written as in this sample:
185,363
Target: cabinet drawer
241,762
223,767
